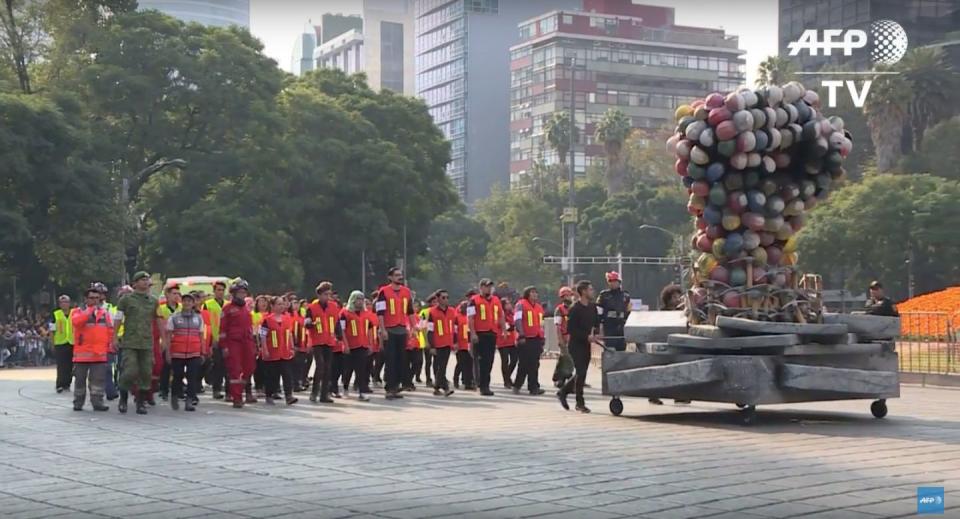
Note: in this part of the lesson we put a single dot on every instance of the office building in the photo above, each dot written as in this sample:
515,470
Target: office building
333,25
463,74
380,47
302,59
621,55
220,13
925,22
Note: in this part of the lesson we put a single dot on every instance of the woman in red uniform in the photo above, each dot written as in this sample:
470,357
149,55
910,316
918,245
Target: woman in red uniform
357,333
375,359
301,358
277,350
507,346
412,352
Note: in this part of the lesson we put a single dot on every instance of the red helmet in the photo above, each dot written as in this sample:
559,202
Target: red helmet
564,292
613,276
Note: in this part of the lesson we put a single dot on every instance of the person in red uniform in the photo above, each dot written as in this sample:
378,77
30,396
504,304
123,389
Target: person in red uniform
486,322
394,308
185,333
358,335
507,347
236,340
411,354
464,368
93,329
323,330
442,336
529,323
302,355
277,350
375,359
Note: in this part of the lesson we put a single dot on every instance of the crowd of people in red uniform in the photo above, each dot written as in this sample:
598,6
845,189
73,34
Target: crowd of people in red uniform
273,347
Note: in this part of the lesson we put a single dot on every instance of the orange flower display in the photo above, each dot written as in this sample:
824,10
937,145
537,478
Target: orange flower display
931,315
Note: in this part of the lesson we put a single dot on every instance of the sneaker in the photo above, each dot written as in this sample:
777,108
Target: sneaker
429,382
292,400
537,392
217,395
100,407
562,397
78,407
59,390
436,392
394,396
336,394
152,402
174,404
456,385
327,400
189,407
363,398
251,399
418,380
516,390
448,392
507,385
162,397
486,392
313,398
269,400
238,404
583,409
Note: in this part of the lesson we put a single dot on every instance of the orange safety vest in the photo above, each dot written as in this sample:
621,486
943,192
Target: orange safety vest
207,331
356,328
486,313
562,315
394,305
374,325
531,315
442,323
278,343
508,339
463,332
322,328
94,330
186,339
299,332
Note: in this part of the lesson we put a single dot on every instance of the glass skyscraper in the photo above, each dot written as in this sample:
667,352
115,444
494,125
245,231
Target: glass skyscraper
221,13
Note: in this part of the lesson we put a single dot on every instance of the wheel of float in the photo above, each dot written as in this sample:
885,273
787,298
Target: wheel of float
616,406
748,414
879,408
741,406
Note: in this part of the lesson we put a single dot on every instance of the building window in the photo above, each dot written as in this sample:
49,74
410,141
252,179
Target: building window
483,6
568,19
391,56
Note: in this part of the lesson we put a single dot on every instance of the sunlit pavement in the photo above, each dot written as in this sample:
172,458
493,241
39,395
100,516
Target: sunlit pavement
468,456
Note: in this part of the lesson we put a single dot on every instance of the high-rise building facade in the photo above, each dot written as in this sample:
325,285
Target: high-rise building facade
925,22
463,74
335,24
220,13
381,48
611,54
302,59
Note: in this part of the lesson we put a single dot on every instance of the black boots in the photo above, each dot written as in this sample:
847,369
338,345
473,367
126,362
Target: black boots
142,402
122,405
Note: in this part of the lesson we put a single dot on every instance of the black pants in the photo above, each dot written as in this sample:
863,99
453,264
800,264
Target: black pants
508,362
486,349
393,360
259,376
410,358
321,371
580,351
163,385
442,356
218,370
273,372
416,363
374,366
302,367
189,367
64,356
614,329
336,370
359,362
427,363
465,368
529,353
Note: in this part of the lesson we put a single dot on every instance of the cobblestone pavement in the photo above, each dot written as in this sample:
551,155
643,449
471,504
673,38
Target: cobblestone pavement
500,457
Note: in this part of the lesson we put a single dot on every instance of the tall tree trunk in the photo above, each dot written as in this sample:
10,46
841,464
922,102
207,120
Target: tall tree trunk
17,51
886,131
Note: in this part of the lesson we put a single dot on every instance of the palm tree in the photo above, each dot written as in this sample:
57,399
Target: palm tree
557,130
886,110
932,83
775,70
612,131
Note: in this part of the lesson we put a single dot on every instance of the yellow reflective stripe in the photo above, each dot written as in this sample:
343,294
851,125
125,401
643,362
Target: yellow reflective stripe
393,308
496,313
333,325
353,327
273,336
530,318
483,312
440,327
405,302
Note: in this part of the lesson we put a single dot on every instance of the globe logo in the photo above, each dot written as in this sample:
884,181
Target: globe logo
889,42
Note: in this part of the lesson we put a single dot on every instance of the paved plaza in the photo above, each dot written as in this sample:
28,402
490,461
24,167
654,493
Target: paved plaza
501,457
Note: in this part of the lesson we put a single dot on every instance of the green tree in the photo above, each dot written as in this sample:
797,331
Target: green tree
557,129
456,249
21,38
612,130
886,110
932,84
918,215
775,70
940,152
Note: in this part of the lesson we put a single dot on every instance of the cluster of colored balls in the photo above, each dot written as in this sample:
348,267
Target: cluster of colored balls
754,161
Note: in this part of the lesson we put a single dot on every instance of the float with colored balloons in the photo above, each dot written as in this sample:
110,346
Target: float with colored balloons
754,162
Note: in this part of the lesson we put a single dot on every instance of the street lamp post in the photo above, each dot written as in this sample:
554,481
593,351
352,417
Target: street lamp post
571,202
681,248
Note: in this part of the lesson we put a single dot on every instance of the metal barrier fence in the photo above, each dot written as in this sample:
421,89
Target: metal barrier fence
928,343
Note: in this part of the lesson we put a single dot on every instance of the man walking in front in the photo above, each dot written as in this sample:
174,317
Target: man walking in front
394,308
94,328
139,312
62,330
583,324
486,322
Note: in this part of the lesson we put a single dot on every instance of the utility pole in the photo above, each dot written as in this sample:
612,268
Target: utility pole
363,271
571,215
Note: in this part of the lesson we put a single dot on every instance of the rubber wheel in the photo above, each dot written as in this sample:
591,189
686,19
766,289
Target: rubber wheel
616,406
748,414
879,408
741,406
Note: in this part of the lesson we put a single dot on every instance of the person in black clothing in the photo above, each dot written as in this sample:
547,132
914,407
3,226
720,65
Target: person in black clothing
615,305
879,304
583,324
